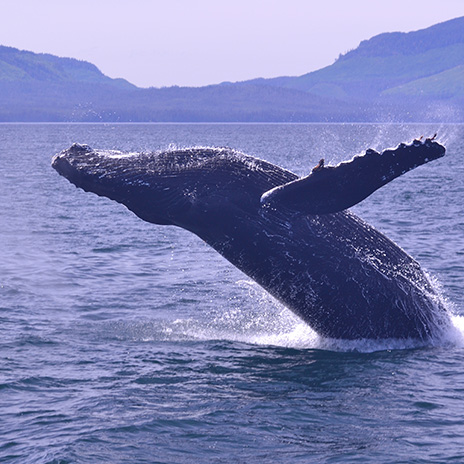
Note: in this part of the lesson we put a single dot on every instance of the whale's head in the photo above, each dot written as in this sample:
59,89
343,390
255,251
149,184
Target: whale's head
185,187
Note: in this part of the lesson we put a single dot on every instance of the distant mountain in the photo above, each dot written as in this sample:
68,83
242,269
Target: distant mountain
415,76
41,87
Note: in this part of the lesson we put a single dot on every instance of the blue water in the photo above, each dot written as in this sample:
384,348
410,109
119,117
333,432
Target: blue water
125,342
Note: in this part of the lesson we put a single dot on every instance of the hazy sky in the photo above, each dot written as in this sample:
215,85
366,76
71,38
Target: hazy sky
199,42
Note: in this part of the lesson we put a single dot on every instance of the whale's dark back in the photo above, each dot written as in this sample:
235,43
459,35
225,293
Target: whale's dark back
221,178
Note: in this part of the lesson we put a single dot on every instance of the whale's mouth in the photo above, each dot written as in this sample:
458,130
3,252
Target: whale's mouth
90,171
83,166
69,163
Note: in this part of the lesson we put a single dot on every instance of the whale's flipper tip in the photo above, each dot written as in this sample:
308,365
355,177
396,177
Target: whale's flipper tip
330,189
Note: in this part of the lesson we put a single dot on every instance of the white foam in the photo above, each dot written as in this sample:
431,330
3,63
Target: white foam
270,323
261,320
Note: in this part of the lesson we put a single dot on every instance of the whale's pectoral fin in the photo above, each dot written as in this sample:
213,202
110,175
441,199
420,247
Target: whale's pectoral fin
335,188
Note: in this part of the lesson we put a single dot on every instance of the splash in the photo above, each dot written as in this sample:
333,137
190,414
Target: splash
258,319
270,323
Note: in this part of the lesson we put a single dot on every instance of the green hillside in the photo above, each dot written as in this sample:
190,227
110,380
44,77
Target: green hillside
441,35
390,61
445,85
23,66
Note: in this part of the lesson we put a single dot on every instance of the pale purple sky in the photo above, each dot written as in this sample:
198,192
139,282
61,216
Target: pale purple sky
200,42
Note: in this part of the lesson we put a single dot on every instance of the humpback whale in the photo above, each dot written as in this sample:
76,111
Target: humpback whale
296,237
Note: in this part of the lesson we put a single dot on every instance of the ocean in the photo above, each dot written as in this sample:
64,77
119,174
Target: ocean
126,342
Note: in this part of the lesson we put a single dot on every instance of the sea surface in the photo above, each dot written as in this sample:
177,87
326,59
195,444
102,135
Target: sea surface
125,342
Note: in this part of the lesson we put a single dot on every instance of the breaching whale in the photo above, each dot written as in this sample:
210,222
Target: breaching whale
294,236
